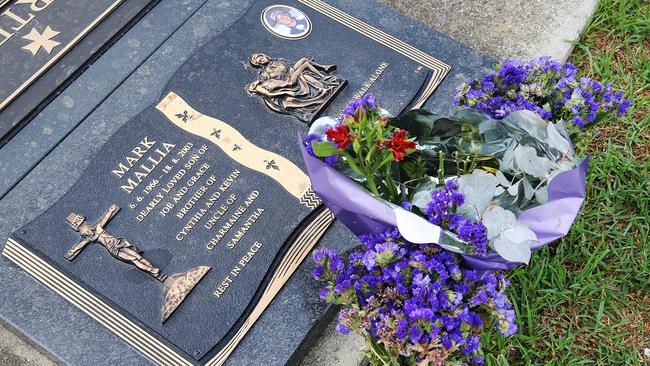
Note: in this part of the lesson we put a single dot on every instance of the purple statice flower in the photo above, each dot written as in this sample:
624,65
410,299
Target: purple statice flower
309,140
623,107
417,297
441,211
368,101
332,160
342,329
408,206
544,86
512,72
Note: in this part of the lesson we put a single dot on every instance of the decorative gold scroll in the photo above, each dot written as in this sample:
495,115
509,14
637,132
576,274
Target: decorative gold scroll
237,147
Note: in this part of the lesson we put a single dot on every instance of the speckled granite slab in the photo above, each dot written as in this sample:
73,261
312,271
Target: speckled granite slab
50,171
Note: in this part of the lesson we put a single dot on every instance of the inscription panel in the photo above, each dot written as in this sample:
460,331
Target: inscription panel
185,203
211,176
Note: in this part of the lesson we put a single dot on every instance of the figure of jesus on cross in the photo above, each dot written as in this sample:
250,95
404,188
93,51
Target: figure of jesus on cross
175,287
119,248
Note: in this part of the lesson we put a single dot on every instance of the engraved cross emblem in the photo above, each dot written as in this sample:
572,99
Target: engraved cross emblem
216,133
183,116
43,40
236,147
271,164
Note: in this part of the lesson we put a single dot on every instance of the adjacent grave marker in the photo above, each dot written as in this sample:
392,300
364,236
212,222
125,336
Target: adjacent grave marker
44,42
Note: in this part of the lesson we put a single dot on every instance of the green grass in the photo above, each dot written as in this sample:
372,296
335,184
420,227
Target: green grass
585,300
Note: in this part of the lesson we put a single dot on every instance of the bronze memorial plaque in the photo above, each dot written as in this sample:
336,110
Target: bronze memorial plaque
196,212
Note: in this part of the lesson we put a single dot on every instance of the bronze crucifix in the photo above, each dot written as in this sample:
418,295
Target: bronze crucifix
176,286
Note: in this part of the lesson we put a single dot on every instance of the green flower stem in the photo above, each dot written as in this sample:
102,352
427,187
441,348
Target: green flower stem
371,344
391,184
441,167
370,179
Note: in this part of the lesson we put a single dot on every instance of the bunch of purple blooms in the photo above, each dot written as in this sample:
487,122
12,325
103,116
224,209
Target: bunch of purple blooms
441,211
368,101
545,87
414,303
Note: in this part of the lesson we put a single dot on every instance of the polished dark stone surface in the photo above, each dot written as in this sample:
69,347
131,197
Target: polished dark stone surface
65,57
53,166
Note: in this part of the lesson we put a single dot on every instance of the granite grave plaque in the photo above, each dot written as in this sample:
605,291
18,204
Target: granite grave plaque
45,43
195,213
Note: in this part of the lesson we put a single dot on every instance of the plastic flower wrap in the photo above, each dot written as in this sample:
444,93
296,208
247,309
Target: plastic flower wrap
530,200
439,203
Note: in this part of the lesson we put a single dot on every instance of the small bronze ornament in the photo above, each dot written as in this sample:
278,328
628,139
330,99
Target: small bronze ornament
301,90
176,286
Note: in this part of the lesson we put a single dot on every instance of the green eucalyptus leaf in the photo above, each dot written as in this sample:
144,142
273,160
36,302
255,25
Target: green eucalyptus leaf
421,199
508,159
562,130
497,219
528,189
323,149
556,141
527,160
501,179
520,234
478,189
541,195
513,252
521,123
513,190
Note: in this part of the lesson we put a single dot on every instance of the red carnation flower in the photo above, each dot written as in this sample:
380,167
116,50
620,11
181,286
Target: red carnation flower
399,146
340,135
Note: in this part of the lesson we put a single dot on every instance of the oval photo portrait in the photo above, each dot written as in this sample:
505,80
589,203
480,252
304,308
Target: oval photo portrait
286,22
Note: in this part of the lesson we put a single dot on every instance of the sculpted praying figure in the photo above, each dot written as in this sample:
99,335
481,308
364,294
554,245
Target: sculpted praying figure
301,90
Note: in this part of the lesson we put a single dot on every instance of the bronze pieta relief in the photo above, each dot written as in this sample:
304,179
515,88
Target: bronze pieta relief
176,286
301,90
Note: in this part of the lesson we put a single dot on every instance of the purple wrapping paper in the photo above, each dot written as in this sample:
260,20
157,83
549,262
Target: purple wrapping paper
362,213
549,221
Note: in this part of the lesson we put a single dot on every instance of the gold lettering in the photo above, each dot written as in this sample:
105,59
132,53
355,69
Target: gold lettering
237,269
130,186
21,22
33,3
5,35
244,228
138,152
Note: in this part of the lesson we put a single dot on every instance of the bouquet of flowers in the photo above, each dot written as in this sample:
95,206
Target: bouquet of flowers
440,203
